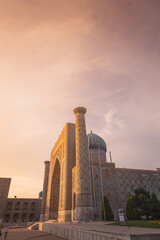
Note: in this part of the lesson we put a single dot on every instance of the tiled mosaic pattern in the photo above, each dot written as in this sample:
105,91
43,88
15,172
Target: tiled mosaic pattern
22,210
130,179
45,186
64,153
83,191
85,177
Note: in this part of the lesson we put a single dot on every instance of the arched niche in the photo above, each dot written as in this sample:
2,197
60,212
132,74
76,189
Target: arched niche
24,218
31,217
33,206
55,190
9,206
15,217
7,218
17,206
25,206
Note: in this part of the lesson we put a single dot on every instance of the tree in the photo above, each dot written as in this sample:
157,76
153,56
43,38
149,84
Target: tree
143,201
107,213
132,212
155,207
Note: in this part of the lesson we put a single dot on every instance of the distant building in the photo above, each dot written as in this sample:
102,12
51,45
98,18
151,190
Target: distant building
4,189
17,210
22,210
78,176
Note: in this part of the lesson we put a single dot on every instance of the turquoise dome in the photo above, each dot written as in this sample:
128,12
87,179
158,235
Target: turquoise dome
40,194
96,142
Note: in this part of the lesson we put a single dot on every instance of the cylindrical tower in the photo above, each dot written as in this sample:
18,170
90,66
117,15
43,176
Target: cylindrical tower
83,210
45,187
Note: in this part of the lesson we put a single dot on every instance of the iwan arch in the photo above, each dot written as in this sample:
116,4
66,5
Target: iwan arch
78,176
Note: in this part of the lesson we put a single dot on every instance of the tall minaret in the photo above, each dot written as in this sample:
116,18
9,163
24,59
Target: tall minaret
45,187
83,209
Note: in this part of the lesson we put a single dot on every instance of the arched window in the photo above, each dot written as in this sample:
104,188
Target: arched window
25,206
17,206
33,206
15,217
9,206
24,218
7,218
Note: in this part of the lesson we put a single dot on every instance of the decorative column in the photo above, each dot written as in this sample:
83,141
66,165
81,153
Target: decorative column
83,209
45,187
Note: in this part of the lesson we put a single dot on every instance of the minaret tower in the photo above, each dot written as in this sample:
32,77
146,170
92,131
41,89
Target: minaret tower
83,209
45,187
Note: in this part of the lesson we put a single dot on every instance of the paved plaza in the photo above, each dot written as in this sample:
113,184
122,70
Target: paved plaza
96,227
25,234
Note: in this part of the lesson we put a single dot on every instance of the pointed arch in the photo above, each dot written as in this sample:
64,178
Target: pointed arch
55,190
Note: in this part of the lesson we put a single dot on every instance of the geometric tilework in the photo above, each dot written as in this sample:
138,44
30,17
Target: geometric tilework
84,177
83,190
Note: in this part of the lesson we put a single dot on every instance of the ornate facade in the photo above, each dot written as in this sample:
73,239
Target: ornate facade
78,176
17,210
22,210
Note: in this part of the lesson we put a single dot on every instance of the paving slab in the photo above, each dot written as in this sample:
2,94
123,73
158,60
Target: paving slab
25,234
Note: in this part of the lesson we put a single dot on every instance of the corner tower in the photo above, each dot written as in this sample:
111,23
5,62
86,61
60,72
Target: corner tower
45,187
83,209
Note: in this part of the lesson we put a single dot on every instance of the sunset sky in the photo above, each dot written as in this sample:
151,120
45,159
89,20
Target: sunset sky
56,55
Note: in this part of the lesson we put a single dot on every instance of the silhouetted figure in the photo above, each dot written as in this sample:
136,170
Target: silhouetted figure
1,231
6,232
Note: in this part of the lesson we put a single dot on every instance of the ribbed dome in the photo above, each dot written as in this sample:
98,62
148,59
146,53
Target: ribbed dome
96,142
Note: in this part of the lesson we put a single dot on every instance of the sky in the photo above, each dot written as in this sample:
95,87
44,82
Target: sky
103,55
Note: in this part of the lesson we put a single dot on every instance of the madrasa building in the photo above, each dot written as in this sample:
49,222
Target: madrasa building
78,176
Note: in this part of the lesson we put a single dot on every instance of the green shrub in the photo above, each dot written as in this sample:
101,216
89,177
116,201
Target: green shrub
142,203
132,212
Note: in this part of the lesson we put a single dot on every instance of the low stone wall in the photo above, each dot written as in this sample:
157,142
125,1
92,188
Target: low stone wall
146,237
80,234
18,224
73,233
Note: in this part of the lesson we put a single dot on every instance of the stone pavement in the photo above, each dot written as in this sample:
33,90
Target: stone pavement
25,234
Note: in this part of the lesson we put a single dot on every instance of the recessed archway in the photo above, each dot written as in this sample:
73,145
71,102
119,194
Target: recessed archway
25,206
15,217
33,206
7,218
9,206
55,191
24,217
17,206
31,217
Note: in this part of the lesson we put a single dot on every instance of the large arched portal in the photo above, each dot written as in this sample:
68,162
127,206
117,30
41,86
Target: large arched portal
55,191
